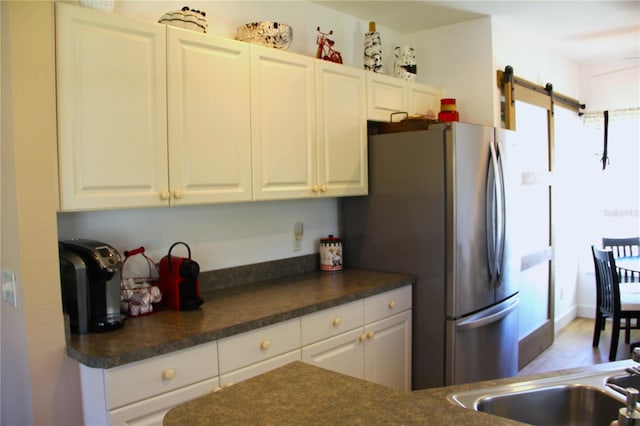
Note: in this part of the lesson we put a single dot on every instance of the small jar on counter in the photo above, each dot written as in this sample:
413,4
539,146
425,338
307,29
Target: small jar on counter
448,110
331,254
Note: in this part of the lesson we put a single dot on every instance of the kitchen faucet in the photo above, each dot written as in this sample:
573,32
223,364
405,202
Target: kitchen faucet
628,416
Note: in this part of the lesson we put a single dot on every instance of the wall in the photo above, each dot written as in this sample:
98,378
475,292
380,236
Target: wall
35,368
224,17
466,70
12,325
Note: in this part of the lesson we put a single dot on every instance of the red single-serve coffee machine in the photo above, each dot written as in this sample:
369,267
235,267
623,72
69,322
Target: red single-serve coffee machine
178,281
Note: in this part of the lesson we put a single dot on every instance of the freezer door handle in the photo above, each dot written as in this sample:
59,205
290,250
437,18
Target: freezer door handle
477,322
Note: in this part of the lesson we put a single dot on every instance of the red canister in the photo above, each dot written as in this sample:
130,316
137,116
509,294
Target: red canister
448,110
331,254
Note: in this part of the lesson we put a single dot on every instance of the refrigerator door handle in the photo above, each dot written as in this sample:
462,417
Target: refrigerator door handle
495,216
501,213
475,322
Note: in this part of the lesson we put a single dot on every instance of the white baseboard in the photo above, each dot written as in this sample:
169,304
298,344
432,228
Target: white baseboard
566,318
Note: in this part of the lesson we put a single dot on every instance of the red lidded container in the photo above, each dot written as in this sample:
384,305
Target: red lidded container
448,110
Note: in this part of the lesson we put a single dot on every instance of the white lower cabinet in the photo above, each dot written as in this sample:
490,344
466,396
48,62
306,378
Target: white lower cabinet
142,391
151,411
343,354
258,368
387,351
255,352
369,339
376,348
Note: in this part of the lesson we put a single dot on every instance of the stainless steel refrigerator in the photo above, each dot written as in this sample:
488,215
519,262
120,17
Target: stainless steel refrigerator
438,208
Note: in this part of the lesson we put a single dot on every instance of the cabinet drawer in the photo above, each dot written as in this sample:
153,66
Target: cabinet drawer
246,373
331,322
258,345
161,374
388,303
151,411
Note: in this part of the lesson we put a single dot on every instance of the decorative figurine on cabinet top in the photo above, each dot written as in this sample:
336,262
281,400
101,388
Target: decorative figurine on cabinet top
325,48
405,63
188,18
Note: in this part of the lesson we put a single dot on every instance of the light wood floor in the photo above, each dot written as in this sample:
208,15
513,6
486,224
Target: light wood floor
572,348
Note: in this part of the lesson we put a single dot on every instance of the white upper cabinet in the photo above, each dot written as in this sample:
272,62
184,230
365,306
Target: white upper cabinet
309,127
209,118
387,95
149,115
423,99
283,124
112,116
341,130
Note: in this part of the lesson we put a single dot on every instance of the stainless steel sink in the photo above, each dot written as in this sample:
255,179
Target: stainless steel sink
556,405
572,399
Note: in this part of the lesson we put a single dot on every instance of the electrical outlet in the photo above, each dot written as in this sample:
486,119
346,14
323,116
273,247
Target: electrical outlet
298,232
9,288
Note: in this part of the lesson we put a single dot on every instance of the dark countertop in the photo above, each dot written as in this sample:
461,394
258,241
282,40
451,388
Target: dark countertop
303,394
227,312
299,393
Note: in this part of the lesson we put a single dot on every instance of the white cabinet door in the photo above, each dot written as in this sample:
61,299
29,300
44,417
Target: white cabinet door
423,100
388,351
343,353
283,124
341,130
209,118
112,118
385,95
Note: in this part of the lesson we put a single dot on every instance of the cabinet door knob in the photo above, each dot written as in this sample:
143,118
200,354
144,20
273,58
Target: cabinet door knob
362,337
323,188
391,304
314,188
169,374
336,321
165,195
178,194
266,344
370,335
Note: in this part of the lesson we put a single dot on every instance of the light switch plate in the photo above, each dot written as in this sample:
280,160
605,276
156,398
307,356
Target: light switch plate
9,288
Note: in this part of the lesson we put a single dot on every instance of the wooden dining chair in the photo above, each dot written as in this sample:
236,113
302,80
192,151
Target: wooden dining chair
622,247
611,302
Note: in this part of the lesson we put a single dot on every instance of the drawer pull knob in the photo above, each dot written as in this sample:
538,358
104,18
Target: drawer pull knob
370,335
336,321
362,337
266,344
169,374
391,304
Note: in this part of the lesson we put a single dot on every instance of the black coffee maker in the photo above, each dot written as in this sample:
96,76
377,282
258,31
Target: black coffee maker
90,279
